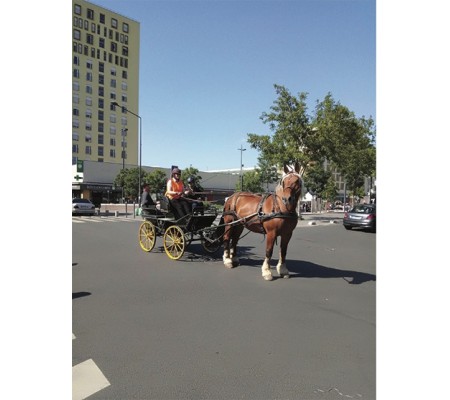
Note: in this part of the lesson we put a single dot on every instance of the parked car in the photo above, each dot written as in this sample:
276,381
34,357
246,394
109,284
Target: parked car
82,207
361,216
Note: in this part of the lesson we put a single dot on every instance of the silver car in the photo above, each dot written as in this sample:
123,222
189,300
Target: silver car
82,207
361,216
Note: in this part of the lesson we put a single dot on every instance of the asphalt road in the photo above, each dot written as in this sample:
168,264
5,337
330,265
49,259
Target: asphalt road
191,329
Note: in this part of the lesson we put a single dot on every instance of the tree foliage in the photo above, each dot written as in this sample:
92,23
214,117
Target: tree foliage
252,182
331,133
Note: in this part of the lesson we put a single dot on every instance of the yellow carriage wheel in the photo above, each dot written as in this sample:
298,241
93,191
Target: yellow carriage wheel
174,242
147,236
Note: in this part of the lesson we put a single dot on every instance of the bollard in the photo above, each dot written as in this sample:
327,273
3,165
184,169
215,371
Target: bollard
116,213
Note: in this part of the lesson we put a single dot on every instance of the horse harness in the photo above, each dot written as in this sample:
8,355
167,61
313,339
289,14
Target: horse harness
256,224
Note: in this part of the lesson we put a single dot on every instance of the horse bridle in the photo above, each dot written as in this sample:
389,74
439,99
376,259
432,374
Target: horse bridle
291,199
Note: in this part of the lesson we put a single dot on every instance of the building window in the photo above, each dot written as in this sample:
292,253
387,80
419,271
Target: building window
101,79
125,27
114,47
100,151
101,127
112,153
101,43
124,98
88,139
112,130
76,73
123,121
101,139
89,76
112,96
89,38
101,91
125,51
75,99
101,103
124,86
93,27
76,112
76,60
101,67
88,150
89,64
112,141
113,72
89,89
88,125
102,18
126,39
114,23
88,113
86,25
101,115
75,136
90,13
77,9
93,52
124,74
75,123
75,86
88,101
113,83
75,148
112,118
76,34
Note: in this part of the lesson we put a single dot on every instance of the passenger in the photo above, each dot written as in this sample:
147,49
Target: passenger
146,198
192,193
147,202
174,191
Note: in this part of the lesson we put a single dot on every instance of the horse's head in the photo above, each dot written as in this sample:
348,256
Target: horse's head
290,187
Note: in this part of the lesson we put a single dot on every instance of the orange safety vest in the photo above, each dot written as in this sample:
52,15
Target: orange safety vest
174,186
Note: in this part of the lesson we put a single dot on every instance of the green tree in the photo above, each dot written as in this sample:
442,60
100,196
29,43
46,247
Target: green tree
194,172
252,182
292,131
316,180
129,180
157,180
333,133
268,173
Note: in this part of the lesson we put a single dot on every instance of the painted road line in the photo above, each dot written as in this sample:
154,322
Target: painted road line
87,379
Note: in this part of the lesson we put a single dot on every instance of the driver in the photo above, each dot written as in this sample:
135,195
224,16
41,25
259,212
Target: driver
174,191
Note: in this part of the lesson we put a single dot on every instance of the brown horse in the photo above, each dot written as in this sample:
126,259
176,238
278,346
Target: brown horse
271,214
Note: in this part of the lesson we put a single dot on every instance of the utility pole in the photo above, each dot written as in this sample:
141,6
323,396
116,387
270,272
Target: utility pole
241,175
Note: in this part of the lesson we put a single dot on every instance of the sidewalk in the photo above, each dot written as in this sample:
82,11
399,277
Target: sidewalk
323,218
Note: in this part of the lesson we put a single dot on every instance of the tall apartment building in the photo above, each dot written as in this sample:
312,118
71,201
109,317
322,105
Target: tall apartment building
105,49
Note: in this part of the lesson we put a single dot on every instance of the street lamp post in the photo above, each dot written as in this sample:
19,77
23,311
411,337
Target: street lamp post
140,142
242,176
124,133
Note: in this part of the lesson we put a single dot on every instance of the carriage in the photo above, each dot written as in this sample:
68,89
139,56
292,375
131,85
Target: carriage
179,233
271,214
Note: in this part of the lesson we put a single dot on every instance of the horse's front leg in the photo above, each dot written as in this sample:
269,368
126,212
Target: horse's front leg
281,266
226,247
270,241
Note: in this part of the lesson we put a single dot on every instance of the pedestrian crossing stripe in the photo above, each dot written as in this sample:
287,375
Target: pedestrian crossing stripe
87,379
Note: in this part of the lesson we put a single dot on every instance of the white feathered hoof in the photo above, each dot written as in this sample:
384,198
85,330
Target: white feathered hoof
228,263
283,271
267,275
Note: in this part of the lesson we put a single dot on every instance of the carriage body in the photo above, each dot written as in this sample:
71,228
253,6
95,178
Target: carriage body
179,233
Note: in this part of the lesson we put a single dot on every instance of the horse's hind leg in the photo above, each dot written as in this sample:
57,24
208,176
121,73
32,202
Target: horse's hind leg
237,230
281,266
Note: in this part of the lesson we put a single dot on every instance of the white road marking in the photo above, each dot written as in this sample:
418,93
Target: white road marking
87,379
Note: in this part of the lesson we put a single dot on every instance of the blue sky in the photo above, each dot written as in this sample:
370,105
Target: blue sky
207,70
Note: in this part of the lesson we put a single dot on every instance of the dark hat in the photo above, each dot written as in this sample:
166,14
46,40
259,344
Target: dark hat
176,171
